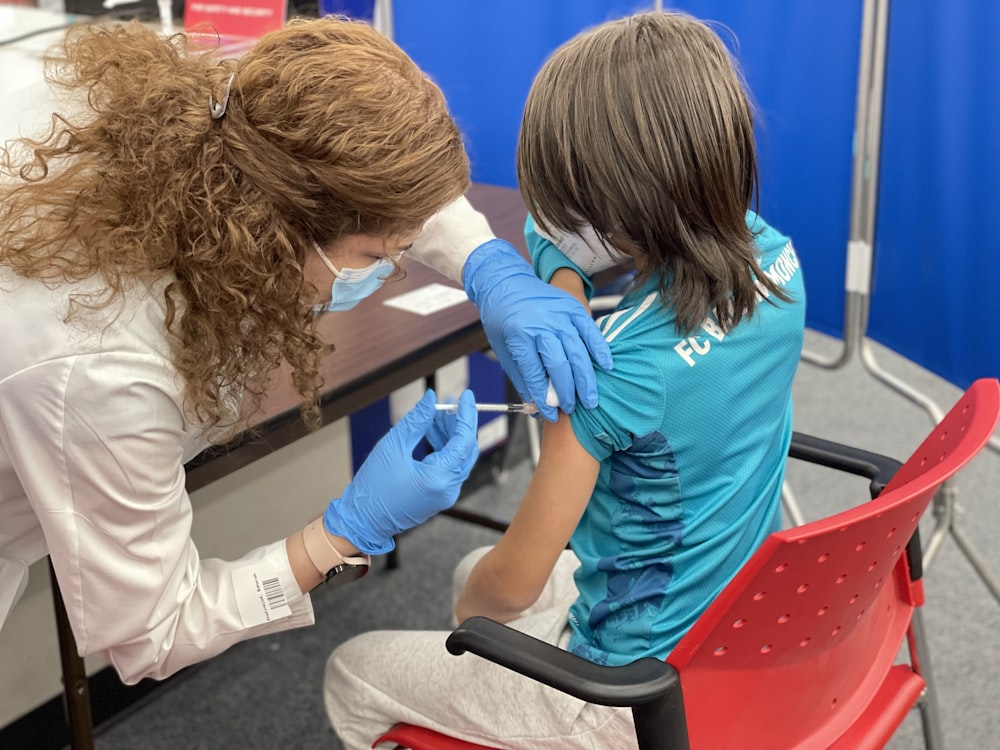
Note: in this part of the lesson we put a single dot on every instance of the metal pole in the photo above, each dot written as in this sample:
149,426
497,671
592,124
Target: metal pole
861,239
382,17
858,278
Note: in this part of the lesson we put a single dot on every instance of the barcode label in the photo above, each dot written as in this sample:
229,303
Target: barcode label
275,596
259,595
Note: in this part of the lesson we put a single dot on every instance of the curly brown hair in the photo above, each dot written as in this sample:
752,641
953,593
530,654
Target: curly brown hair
643,128
330,130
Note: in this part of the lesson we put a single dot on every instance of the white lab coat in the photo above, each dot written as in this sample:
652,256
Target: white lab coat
93,441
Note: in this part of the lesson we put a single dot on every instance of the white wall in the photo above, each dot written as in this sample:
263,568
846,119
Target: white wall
253,506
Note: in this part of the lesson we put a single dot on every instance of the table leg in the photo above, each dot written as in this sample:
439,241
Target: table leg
76,690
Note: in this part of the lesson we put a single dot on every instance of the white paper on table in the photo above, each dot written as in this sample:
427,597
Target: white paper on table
428,299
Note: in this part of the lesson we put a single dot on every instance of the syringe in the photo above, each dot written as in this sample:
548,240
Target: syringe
527,408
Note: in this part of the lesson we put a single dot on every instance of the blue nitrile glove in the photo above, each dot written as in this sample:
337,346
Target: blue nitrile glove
446,421
393,491
539,333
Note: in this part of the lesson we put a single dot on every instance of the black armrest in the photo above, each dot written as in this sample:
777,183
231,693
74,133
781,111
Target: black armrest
878,468
641,681
649,686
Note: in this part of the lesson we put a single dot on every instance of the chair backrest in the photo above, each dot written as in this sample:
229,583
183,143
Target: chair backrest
798,650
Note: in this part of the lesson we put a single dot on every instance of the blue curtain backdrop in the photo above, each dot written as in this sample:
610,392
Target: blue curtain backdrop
936,262
937,286
363,10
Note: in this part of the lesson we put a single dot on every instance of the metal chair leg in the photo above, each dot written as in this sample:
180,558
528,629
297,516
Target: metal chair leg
791,506
930,717
76,690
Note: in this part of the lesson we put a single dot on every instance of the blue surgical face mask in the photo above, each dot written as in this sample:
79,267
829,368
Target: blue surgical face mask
351,285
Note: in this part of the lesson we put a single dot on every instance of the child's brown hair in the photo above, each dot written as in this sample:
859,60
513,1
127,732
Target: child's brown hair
642,128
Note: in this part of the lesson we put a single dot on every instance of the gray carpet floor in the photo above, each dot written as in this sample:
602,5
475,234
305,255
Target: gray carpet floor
267,693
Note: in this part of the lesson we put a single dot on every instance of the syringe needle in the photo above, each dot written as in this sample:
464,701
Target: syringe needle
527,408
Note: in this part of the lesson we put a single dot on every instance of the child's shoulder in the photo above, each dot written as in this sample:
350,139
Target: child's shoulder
639,332
637,312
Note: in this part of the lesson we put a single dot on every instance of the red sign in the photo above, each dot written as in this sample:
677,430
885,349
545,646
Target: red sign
234,18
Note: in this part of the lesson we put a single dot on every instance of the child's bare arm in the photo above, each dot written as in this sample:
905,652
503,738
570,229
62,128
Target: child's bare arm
509,578
569,281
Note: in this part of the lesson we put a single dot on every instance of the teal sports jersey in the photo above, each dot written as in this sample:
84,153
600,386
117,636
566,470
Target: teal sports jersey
692,433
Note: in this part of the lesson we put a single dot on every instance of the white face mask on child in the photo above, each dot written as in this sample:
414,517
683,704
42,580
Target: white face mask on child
585,249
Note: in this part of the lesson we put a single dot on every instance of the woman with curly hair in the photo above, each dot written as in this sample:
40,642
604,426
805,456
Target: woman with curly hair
163,248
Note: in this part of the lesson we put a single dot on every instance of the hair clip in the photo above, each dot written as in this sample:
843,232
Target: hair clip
218,109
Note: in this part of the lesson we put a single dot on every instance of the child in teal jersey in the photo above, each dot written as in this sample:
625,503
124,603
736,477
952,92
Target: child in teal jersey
636,149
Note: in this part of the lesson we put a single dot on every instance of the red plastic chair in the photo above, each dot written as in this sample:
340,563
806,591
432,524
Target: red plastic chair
799,650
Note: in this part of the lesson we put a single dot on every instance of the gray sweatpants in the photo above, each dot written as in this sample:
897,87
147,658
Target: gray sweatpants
383,677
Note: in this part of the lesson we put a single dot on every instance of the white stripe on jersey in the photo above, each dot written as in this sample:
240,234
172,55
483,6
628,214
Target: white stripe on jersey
605,323
636,312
